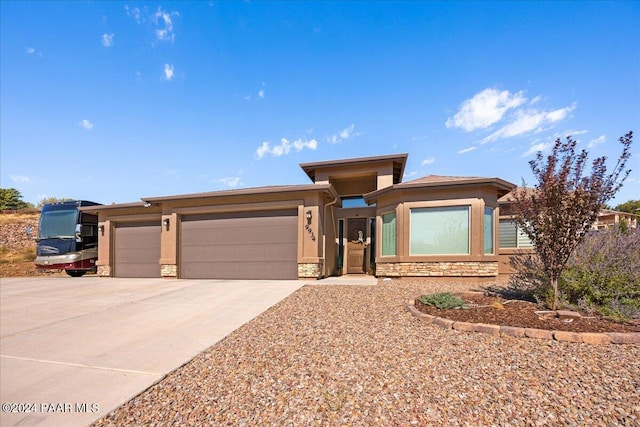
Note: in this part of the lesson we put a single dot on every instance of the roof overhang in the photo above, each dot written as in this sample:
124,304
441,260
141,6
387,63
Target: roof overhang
399,162
328,188
113,206
503,186
148,202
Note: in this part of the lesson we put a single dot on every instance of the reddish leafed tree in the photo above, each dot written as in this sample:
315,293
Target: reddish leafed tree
565,202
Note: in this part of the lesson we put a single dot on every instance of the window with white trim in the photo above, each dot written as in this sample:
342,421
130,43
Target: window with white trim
512,236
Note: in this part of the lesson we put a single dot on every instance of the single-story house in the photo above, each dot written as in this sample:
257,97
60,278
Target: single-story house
356,216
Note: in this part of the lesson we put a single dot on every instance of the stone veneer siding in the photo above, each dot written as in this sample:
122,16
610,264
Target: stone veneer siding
169,270
310,270
438,269
104,270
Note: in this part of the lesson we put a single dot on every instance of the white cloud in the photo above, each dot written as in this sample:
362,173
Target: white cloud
541,146
230,181
285,147
19,178
513,113
484,109
467,150
163,19
428,161
135,13
33,51
530,120
346,133
261,93
107,40
599,140
86,124
262,150
168,72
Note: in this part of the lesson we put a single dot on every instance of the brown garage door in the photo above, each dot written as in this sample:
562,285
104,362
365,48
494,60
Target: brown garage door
137,249
254,245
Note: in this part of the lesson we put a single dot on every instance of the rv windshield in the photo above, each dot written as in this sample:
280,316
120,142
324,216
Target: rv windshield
58,223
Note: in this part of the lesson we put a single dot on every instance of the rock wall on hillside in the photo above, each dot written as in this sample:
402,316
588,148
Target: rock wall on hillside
14,236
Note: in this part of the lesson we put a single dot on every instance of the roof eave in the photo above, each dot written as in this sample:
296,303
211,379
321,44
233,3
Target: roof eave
496,182
244,192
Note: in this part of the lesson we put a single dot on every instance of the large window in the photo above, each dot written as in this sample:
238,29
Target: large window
511,236
488,230
389,234
440,231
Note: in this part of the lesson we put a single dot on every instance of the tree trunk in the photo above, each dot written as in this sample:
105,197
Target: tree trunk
554,285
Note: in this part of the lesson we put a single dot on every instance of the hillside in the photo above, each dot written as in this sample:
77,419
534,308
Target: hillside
17,250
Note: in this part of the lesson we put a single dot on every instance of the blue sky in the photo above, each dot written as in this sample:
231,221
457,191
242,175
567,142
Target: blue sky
114,101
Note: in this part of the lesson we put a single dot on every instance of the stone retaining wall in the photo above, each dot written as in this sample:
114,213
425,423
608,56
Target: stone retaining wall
497,330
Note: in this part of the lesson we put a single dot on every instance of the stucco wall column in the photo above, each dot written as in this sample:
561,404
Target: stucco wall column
169,245
104,249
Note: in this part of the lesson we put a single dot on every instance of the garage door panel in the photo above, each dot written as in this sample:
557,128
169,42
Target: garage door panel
137,249
263,252
250,245
254,236
249,270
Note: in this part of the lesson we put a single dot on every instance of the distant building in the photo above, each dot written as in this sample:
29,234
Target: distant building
608,219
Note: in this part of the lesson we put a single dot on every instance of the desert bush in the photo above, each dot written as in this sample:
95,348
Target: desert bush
603,275
442,300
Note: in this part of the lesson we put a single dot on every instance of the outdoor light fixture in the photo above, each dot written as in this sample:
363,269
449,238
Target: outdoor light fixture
101,229
165,222
147,204
308,217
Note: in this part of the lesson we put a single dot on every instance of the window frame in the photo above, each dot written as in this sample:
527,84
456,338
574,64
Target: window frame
519,235
491,233
395,234
462,206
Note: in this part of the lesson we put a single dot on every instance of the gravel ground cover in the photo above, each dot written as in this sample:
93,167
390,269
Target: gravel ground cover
353,355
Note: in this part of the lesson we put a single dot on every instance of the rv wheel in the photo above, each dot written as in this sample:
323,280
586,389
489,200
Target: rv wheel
75,273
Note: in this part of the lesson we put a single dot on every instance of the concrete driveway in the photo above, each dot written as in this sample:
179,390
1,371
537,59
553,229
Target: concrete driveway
73,349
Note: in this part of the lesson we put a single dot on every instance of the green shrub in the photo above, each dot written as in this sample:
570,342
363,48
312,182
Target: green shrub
603,275
442,300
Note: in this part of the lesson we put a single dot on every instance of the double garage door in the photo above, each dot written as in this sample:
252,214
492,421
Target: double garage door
250,245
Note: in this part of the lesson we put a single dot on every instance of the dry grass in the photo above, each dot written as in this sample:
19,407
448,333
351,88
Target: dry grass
18,218
8,256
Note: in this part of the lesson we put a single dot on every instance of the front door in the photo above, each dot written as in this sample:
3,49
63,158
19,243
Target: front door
356,234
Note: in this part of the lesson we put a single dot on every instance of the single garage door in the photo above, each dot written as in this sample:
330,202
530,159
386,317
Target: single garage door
248,245
137,249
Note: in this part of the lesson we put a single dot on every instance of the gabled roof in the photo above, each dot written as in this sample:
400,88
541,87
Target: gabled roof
399,162
439,181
